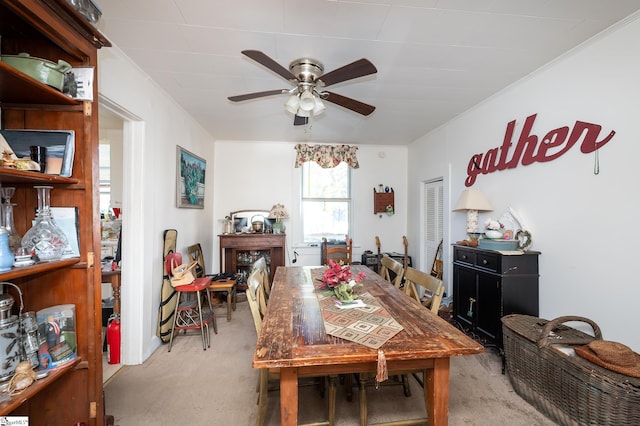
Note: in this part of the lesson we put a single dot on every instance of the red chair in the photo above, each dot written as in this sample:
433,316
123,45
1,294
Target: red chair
188,314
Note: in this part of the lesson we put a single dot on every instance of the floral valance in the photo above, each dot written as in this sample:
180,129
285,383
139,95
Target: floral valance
326,156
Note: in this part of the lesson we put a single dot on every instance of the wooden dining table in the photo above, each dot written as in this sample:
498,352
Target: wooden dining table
293,340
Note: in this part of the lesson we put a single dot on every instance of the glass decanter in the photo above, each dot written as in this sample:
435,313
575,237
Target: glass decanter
45,239
15,240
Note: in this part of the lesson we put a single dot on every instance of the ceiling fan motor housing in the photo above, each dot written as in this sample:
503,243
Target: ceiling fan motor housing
306,70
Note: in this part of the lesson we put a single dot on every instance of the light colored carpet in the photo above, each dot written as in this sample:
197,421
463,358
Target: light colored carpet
189,386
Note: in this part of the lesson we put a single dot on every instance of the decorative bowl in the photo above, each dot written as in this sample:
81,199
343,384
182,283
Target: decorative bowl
493,234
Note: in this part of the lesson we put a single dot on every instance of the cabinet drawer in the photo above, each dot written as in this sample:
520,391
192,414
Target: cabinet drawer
488,261
464,256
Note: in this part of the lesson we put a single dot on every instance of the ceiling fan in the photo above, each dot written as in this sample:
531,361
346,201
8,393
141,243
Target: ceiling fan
306,74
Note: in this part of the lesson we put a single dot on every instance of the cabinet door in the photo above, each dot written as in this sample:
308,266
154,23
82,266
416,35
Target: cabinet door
489,306
465,303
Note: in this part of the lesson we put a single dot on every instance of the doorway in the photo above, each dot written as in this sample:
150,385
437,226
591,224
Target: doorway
111,136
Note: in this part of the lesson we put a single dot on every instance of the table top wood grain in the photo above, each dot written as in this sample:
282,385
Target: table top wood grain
293,332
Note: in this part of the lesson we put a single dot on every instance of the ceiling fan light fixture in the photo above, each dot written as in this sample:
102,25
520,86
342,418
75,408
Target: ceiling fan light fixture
319,106
307,101
292,104
304,113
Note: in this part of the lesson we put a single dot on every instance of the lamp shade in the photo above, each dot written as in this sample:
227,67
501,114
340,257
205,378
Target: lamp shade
278,212
472,199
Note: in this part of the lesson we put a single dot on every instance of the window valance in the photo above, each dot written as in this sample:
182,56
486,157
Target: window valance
327,156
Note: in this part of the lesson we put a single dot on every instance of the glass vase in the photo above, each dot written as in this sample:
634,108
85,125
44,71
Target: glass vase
344,292
45,239
15,240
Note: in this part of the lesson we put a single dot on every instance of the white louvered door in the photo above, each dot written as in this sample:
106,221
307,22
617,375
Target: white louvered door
433,221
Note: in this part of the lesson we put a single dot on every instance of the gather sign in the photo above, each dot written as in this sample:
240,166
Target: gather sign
530,149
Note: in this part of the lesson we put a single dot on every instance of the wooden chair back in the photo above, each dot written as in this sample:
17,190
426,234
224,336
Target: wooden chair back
337,252
195,254
405,243
391,265
256,299
379,254
432,286
260,265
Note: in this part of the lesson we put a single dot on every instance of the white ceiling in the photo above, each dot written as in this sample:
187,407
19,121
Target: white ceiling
435,58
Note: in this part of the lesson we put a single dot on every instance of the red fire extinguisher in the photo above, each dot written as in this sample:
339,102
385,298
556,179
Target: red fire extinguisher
113,339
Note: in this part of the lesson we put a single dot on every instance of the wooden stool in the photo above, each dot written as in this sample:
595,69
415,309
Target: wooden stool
227,285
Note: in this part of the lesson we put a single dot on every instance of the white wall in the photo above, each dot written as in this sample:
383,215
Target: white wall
149,193
582,223
257,175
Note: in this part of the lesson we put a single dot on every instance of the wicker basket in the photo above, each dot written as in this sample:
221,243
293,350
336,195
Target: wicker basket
568,389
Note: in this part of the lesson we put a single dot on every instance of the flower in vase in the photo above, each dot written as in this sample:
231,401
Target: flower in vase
493,225
339,279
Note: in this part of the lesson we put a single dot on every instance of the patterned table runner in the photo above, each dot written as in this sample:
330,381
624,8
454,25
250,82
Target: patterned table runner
370,325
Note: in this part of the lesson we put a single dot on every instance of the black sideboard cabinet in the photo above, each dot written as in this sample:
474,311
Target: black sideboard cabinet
488,285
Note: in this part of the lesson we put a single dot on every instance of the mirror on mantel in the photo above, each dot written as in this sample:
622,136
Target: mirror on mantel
243,221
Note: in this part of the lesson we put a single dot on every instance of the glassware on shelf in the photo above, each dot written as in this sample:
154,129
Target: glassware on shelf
6,192
15,239
45,239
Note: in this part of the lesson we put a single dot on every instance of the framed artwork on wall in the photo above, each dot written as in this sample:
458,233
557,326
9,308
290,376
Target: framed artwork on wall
190,179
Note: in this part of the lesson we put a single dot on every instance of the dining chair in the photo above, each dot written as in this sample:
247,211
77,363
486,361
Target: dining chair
424,288
226,288
188,314
257,304
261,266
388,266
367,380
338,252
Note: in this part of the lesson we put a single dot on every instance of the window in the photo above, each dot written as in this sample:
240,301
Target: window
104,159
326,202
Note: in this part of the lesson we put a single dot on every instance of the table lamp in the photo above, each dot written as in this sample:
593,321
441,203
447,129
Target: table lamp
278,212
473,201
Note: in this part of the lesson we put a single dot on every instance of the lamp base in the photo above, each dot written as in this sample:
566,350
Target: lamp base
278,228
474,236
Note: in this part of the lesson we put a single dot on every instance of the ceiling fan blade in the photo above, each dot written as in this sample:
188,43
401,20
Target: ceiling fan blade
352,104
300,121
257,95
263,59
356,69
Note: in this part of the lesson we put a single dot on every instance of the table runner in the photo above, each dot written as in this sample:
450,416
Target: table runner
371,325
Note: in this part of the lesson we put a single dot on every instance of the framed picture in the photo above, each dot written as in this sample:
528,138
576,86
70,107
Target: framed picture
191,171
59,144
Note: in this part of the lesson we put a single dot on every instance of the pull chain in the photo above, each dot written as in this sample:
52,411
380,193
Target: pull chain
596,165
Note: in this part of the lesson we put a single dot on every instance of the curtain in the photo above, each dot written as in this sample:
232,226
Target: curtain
327,156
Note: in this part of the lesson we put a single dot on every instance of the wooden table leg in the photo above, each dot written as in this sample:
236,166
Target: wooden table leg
436,392
288,396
